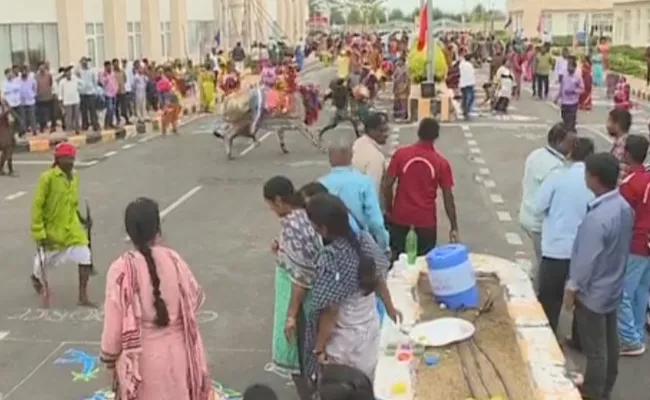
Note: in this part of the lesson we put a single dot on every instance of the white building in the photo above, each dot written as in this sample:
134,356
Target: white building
62,31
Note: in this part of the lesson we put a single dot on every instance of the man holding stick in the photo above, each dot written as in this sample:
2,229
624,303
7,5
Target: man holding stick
57,227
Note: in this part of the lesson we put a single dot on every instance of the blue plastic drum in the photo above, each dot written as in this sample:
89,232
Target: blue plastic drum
452,278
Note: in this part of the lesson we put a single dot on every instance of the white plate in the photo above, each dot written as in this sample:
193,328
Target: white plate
442,331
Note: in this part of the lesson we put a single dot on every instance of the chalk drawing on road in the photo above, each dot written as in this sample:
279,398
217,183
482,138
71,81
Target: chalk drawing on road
84,315
89,371
224,392
88,364
102,394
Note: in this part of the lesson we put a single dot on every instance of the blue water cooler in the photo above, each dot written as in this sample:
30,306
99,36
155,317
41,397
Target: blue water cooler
452,278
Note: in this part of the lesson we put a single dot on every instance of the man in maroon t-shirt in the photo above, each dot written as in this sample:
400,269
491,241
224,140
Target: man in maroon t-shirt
635,188
419,171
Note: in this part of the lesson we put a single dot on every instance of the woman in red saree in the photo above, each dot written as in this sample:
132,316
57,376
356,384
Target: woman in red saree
170,99
585,100
151,340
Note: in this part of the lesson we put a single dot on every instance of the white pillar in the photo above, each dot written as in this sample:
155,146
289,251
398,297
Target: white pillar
178,28
115,33
151,34
71,30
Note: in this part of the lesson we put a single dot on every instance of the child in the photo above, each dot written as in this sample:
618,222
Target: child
342,382
504,81
259,392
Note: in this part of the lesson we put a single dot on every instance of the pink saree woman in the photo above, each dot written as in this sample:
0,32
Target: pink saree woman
151,338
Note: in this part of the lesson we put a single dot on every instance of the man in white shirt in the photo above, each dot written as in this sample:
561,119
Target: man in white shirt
466,84
539,165
367,155
71,99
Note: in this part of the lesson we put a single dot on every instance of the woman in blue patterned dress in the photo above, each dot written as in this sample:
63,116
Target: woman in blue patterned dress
296,248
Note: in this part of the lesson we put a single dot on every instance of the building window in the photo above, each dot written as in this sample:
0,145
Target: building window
619,29
200,36
95,43
166,37
28,44
637,25
547,23
573,24
627,21
134,32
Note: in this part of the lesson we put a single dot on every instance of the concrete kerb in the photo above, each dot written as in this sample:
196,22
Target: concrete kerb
190,113
45,144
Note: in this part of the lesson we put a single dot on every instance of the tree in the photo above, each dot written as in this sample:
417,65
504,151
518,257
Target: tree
376,16
337,17
355,17
396,15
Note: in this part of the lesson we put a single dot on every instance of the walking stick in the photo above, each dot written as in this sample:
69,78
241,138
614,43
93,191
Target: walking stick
89,233
45,287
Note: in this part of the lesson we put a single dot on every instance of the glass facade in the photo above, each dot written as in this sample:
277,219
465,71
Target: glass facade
28,44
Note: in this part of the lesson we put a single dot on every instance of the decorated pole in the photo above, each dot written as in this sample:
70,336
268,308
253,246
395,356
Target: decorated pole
431,43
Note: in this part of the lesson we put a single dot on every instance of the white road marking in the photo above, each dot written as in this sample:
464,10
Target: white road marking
89,163
147,138
504,216
165,212
128,146
525,264
464,127
308,163
3,334
475,150
180,201
513,239
471,142
484,171
479,160
49,162
34,371
468,135
253,145
110,153
15,195
597,132
489,183
496,198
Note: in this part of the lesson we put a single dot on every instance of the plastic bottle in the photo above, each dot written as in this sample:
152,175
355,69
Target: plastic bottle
411,245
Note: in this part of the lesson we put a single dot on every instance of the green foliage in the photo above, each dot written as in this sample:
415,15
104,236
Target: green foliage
355,17
620,63
623,59
417,63
633,53
396,15
337,17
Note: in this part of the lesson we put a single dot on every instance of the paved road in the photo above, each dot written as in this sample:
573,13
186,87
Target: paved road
215,218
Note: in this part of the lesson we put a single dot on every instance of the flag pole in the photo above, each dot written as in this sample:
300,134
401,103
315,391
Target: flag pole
431,43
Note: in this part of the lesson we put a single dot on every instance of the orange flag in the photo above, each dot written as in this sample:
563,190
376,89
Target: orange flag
424,27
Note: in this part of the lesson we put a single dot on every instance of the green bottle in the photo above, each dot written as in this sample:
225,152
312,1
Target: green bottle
411,245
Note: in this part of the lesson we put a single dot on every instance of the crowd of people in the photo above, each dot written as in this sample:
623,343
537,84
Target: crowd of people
337,238
588,217
519,62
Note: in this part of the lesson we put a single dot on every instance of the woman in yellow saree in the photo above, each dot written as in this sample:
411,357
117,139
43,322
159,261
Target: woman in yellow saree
207,86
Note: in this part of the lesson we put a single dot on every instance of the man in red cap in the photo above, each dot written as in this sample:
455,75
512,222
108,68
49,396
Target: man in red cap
57,227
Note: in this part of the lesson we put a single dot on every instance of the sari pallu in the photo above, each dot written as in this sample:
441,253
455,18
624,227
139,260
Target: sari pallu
401,93
131,346
298,246
585,99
